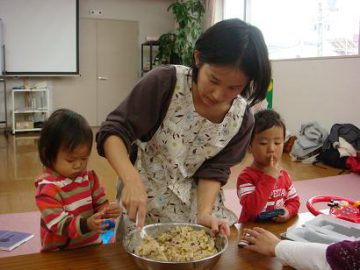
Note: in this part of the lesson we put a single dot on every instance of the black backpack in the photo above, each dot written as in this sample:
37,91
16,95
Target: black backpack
331,156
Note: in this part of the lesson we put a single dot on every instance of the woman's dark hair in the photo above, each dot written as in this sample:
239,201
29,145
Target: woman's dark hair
266,119
64,129
235,43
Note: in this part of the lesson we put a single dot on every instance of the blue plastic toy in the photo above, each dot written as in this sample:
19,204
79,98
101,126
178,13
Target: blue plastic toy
109,224
106,236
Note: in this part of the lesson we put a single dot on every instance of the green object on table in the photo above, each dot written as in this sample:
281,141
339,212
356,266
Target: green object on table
269,95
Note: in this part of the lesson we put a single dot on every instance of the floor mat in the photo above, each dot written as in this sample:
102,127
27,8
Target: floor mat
23,222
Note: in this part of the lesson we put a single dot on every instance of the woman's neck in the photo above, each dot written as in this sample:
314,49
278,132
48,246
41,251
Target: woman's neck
214,114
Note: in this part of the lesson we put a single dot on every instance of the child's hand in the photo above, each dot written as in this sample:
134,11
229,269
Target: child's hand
95,222
273,169
282,218
111,211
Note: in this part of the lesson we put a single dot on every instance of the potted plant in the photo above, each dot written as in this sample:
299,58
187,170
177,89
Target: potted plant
177,47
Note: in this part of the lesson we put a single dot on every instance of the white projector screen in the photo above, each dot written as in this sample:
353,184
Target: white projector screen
40,37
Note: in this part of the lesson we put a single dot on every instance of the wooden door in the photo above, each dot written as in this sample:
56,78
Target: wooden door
79,93
117,60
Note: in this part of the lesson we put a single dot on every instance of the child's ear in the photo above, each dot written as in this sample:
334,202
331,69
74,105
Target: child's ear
249,149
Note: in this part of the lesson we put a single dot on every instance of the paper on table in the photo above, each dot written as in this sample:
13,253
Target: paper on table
12,239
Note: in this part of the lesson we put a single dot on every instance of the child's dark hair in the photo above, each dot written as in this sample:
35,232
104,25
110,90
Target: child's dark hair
64,129
235,43
266,119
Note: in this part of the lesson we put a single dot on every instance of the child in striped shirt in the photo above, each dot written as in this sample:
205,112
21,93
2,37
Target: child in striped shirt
264,186
72,203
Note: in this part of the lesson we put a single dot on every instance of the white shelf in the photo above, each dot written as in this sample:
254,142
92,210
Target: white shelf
29,105
27,129
28,110
30,90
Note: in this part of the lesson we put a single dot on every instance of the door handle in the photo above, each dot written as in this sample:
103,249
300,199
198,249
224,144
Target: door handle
103,78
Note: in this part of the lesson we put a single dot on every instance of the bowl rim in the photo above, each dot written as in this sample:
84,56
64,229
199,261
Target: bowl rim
179,262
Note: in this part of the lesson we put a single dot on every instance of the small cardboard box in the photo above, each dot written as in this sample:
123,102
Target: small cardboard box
24,125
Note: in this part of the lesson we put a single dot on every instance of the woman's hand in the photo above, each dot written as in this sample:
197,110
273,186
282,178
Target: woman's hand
133,195
206,195
133,198
217,225
261,241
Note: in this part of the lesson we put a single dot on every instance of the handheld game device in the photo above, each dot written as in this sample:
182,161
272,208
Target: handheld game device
268,215
339,207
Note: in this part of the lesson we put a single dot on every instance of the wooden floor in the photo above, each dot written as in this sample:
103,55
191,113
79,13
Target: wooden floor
20,165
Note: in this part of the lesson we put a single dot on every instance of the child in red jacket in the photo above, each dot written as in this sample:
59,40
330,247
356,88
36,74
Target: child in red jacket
264,186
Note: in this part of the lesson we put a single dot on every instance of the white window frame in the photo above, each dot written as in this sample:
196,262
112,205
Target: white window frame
246,17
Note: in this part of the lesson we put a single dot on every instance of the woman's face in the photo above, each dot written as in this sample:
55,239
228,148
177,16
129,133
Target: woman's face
219,85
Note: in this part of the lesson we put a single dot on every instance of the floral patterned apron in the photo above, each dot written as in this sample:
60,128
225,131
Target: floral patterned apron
179,147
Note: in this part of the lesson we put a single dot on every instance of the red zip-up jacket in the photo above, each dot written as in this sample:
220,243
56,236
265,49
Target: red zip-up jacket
259,192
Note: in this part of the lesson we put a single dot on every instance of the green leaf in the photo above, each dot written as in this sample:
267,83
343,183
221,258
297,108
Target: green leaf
188,15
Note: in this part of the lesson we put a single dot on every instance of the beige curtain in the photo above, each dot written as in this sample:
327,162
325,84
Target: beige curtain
209,18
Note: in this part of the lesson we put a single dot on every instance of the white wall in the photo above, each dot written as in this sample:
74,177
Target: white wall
40,41
325,90
322,90
152,15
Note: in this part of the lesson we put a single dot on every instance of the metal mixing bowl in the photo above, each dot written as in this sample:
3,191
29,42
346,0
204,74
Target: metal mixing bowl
133,239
